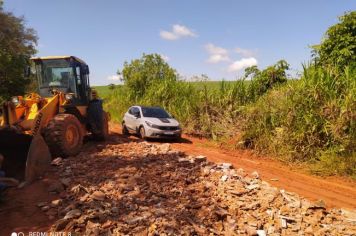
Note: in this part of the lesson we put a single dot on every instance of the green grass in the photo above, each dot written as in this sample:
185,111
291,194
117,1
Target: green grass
104,91
310,120
210,84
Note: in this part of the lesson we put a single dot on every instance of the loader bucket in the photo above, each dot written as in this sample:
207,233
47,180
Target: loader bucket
25,157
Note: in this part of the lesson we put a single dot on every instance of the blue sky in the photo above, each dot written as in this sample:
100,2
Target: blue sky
216,38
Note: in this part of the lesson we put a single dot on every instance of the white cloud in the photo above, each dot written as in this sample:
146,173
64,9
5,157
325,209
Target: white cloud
216,58
243,63
245,52
217,54
212,49
168,35
114,77
178,31
164,57
183,31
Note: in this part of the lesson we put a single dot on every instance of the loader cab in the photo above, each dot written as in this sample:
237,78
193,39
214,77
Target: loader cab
67,74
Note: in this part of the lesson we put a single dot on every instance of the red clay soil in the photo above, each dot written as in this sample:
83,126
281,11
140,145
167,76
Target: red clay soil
18,210
336,192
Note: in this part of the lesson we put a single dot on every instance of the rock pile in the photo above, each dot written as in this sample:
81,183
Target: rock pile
147,189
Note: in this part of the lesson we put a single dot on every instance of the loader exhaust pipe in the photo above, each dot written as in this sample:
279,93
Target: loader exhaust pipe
26,157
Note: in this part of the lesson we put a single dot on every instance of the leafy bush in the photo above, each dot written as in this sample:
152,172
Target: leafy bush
262,81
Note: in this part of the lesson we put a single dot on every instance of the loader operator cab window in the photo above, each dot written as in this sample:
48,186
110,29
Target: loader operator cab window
60,74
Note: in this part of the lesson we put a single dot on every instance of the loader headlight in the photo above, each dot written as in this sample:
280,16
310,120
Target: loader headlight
15,100
69,96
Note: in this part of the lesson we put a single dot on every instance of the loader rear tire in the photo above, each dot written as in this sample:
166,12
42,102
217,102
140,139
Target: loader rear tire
64,135
98,120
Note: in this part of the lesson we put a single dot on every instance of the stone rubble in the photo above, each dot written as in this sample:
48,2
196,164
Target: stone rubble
139,188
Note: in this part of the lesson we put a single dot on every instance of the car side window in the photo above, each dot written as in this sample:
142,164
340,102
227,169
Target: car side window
135,110
131,111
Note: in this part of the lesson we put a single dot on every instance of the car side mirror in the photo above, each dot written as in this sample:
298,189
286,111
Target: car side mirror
137,115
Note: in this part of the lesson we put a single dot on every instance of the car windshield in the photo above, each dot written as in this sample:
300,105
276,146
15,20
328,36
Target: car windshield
155,112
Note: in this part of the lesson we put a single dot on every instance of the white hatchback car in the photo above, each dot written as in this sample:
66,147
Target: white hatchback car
150,122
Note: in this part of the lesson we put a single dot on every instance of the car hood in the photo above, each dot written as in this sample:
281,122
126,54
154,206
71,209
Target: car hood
162,121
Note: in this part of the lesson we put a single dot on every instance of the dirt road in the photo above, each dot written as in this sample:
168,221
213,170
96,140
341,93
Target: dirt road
335,192
101,164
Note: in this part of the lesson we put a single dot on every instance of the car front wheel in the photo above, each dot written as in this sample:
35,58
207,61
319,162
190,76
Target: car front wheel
125,131
142,132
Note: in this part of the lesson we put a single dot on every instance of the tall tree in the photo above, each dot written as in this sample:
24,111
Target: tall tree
266,79
338,47
17,45
139,74
251,72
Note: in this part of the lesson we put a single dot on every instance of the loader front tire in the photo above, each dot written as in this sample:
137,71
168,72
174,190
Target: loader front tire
64,135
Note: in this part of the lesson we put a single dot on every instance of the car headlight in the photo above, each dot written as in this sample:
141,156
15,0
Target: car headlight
15,100
152,125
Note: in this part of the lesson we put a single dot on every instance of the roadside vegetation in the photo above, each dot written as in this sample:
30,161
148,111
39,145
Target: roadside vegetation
309,120
17,45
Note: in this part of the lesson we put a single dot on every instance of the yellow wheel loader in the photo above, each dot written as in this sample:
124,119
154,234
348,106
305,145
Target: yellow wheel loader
51,122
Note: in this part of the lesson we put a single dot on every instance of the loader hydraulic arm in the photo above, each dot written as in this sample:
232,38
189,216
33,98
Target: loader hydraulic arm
32,113
45,114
